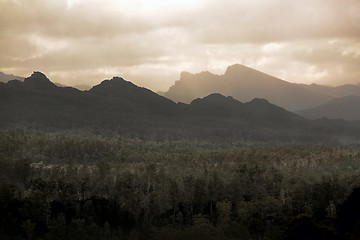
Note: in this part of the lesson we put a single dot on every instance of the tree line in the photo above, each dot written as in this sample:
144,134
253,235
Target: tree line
85,186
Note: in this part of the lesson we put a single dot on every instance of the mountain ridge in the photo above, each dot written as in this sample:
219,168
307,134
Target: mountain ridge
8,77
114,98
340,108
244,84
119,105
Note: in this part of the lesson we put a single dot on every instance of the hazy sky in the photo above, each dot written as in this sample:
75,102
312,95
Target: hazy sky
151,41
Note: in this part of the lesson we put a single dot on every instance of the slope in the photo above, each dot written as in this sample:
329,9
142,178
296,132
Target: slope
342,108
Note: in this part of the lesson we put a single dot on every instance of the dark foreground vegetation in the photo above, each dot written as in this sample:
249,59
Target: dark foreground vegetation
81,186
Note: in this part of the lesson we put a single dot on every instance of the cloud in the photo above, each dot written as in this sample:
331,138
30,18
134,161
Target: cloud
151,42
277,20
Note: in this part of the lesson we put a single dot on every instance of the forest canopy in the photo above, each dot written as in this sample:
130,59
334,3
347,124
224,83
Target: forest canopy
86,186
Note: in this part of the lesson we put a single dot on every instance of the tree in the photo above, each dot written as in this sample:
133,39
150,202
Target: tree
28,228
22,169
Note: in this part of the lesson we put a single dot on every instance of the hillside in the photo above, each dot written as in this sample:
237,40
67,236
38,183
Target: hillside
341,108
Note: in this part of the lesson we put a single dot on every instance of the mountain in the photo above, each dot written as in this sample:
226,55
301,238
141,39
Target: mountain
117,105
120,102
39,102
117,102
244,84
341,108
7,77
257,111
338,91
129,97
217,106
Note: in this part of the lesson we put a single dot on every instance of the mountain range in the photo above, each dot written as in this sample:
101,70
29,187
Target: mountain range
244,84
7,77
119,105
347,108
37,99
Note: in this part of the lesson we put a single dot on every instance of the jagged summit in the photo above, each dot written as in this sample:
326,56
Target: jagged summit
113,85
115,80
185,75
37,74
191,76
237,68
38,79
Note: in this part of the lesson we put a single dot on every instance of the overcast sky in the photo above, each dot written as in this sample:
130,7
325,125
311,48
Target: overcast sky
149,42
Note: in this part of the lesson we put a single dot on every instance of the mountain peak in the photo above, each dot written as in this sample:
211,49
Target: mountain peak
113,85
186,75
37,74
201,75
215,98
236,69
259,101
38,78
117,81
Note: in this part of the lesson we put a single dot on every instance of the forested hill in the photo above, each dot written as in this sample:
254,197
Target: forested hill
119,104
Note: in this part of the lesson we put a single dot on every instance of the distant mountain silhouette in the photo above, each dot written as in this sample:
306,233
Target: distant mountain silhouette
7,77
339,91
117,101
244,84
217,105
39,102
257,111
127,96
38,80
119,104
347,108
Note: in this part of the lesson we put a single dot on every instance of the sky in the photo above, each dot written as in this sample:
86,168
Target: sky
150,42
